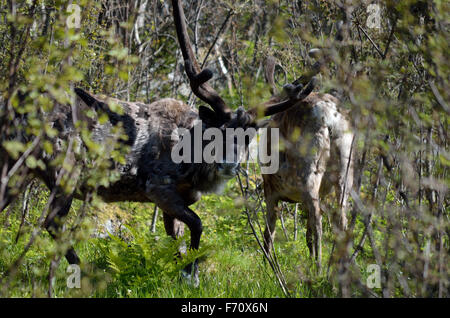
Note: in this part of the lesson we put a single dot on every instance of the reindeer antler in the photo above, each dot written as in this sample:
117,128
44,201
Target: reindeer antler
295,94
294,91
197,77
269,72
321,57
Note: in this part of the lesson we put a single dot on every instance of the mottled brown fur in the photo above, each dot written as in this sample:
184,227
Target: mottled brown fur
148,174
317,140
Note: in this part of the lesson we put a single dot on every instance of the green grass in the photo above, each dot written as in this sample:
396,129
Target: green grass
143,264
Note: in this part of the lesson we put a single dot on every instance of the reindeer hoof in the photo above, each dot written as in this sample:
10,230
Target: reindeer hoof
190,278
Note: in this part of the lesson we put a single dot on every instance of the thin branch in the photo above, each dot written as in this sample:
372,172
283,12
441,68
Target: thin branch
371,41
438,97
18,164
273,265
391,36
224,24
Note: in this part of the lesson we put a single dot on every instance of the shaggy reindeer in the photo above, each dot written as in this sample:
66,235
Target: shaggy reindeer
150,174
318,138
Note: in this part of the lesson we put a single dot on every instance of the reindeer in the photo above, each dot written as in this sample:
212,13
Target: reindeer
317,155
149,173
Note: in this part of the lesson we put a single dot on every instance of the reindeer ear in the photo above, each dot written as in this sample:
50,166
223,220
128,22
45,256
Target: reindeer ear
209,117
263,123
244,118
89,99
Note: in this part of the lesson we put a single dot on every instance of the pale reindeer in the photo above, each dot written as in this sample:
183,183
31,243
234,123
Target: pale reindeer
149,173
317,154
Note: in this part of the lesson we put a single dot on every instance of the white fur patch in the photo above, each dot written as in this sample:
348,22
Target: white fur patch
330,116
327,112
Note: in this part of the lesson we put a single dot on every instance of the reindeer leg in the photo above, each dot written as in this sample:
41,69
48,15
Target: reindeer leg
187,216
175,208
174,228
344,185
345,180
310,224
314,226
271,220
342,195
195,226
312,178
59,209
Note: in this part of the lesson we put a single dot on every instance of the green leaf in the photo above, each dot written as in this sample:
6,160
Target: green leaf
14,148
31,162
